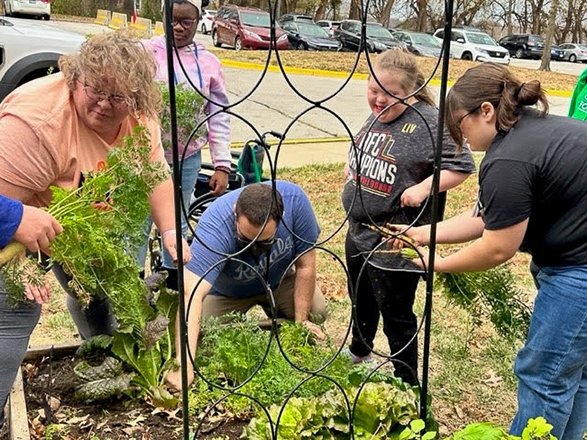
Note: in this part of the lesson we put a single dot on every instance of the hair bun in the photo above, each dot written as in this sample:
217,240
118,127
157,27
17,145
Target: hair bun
529,93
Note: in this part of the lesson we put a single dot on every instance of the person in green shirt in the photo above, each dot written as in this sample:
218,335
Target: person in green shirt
578,107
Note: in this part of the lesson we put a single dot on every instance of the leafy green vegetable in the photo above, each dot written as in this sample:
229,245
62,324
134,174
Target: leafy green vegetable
537,429
99,343
103,389
190,110
492,293
381,411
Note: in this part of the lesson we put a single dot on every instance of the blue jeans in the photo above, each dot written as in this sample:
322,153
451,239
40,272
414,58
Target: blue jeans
16,325
552,366
189,175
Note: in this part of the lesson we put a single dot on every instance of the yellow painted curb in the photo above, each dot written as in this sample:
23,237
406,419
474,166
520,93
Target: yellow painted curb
335,74
299,141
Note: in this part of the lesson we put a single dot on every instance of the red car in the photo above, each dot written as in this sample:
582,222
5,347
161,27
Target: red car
245,28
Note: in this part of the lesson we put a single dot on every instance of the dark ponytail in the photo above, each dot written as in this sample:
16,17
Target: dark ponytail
495,84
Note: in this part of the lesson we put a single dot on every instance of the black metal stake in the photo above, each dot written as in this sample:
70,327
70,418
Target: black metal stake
178,213
435,182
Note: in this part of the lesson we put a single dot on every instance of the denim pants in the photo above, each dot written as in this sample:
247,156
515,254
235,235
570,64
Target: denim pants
390,294
552,366
189,174
16,325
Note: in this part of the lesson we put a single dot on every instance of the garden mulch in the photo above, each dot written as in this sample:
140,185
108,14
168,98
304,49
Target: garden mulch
55,382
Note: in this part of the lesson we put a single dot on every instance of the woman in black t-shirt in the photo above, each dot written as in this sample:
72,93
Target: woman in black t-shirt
533,197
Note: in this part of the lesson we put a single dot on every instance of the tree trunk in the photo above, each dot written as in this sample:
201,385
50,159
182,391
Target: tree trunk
386,12
421,18
321,11
545,64
355,11
509,16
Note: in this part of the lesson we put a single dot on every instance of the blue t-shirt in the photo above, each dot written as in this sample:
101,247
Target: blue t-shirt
10,218
217,229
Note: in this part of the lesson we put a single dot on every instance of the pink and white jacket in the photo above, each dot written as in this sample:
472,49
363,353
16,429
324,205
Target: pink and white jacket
213,87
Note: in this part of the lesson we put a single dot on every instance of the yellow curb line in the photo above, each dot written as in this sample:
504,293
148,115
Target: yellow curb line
299,141
335,74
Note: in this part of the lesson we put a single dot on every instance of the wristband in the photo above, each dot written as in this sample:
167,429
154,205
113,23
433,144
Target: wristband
168,232
223,169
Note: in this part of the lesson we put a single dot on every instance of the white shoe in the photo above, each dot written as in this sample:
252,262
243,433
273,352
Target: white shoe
357,359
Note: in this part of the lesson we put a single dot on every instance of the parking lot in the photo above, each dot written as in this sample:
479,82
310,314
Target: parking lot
556,66
267,109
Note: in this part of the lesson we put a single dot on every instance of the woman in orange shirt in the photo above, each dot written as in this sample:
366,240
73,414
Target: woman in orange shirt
55,129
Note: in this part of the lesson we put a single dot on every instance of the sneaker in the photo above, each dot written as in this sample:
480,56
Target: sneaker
357,359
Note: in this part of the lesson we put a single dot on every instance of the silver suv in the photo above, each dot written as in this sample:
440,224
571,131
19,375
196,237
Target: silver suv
28,50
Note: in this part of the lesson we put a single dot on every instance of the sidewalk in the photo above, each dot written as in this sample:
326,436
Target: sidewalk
300,154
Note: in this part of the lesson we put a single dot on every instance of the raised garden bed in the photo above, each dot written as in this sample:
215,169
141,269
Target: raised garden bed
42,406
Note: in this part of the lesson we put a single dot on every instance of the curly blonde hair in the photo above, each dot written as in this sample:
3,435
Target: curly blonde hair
118,63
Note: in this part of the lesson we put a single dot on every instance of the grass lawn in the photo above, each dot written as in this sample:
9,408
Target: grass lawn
344,62
471,366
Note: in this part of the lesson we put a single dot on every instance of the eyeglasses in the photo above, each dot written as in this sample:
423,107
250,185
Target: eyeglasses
460,120
186,24
116,101
244,241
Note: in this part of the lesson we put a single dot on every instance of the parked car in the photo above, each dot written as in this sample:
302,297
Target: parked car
205,24
556,53
28,50
294,17
330,26
37,8
523,45
309,36
379,39
245,28
574,52
419,43
475,45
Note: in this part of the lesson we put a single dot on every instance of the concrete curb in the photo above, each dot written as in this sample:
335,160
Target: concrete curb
297,141
335,74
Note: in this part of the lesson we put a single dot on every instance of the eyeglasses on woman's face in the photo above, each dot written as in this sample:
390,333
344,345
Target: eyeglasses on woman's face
116,101
469,113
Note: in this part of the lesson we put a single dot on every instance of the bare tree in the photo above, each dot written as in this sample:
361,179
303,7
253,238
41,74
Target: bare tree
545,64
355,11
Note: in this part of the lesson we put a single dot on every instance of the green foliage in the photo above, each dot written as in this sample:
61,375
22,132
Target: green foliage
382,411
13,274
98,343
103,222
415,431
537,429
229,353
190,110
490,293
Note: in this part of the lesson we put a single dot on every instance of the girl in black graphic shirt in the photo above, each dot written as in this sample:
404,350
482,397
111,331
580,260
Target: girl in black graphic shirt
389,178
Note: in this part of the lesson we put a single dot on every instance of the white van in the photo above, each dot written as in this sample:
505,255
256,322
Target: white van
475,45
39,8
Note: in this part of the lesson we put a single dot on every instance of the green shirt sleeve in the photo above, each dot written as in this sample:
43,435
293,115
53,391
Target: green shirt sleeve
578,106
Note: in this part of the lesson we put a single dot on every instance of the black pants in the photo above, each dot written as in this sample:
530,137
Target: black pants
391,294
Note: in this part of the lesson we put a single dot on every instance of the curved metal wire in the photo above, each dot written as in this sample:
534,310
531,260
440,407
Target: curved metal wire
355,151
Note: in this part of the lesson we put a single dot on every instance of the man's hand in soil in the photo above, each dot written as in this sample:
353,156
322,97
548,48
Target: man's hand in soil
173,378
316,330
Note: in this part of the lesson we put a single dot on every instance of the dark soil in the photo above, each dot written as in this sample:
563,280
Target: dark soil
121,418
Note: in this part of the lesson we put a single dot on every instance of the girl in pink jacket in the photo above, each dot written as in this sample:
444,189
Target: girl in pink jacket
205,72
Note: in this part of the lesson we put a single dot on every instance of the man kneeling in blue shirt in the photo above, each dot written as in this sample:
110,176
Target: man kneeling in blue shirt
263,227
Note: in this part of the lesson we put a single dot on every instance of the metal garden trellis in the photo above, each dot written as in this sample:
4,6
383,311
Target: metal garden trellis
425,322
